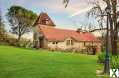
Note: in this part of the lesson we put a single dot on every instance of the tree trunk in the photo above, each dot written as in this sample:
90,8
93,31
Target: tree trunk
115,29
111,32
114,47
19,37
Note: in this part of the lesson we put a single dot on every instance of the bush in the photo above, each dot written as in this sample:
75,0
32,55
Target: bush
25,43
114,62
101,57
12,41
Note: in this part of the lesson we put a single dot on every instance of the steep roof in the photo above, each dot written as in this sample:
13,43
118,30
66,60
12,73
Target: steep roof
44,19
56,34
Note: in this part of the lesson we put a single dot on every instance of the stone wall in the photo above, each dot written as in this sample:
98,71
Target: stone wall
77,46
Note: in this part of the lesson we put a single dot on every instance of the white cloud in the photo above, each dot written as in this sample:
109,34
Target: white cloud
81,11
18,2
85,7
50,5
75,7
57,5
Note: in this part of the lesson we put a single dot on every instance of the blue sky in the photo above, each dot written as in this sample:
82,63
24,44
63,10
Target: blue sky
72,17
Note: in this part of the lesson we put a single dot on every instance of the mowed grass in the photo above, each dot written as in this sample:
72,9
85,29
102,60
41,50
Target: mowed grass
26,63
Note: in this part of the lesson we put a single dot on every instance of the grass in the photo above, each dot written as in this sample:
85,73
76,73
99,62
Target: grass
26,63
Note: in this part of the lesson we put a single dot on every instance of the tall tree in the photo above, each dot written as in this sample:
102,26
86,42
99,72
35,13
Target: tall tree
113,23
2,30
100,13
0,18
114,27
20,20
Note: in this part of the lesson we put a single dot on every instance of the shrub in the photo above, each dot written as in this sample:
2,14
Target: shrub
24,43
101,57
114,62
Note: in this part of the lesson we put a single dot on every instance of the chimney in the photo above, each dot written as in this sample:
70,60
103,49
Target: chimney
84,31
79,30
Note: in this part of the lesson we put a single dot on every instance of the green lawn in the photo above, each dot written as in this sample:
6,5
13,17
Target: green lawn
26,63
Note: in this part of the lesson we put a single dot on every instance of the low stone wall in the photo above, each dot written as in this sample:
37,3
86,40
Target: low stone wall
78,47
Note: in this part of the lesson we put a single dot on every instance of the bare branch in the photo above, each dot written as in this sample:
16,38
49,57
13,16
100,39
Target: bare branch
65,2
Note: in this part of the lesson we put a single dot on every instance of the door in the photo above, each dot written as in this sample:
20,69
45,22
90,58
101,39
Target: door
41,43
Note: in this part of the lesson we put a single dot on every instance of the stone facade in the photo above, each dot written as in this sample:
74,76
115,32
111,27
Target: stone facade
76,46
47,36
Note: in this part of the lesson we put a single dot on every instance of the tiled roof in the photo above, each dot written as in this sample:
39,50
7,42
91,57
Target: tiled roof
44,19
57,34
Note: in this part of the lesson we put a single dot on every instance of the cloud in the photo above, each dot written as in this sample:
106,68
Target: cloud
81,11
75,7
57,6
88,7
50,5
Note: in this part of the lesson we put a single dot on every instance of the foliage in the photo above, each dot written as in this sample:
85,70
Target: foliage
114,62
22,43
20,20
2,29
12,41
99,13
0,18
101,58
27,63
25,43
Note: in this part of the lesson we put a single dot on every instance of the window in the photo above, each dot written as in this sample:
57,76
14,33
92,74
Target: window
47,21
69,42
44,22
72,42
84,44
54,42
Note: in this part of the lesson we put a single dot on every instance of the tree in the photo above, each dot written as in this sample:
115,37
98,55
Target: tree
2,29
65,2
113,24
20,20
0,19
99,14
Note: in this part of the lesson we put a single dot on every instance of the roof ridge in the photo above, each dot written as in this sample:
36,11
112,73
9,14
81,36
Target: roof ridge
57,28
52,33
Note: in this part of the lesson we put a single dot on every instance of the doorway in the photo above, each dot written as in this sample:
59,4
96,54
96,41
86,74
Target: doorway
91,50
41,43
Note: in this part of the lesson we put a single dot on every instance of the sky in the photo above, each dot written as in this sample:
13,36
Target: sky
72,17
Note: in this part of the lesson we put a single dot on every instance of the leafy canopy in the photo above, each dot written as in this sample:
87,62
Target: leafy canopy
20,20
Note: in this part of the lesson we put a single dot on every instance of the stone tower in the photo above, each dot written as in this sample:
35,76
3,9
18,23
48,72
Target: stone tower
38,39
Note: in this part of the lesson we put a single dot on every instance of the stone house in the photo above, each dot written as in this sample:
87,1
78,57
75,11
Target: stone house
47,36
